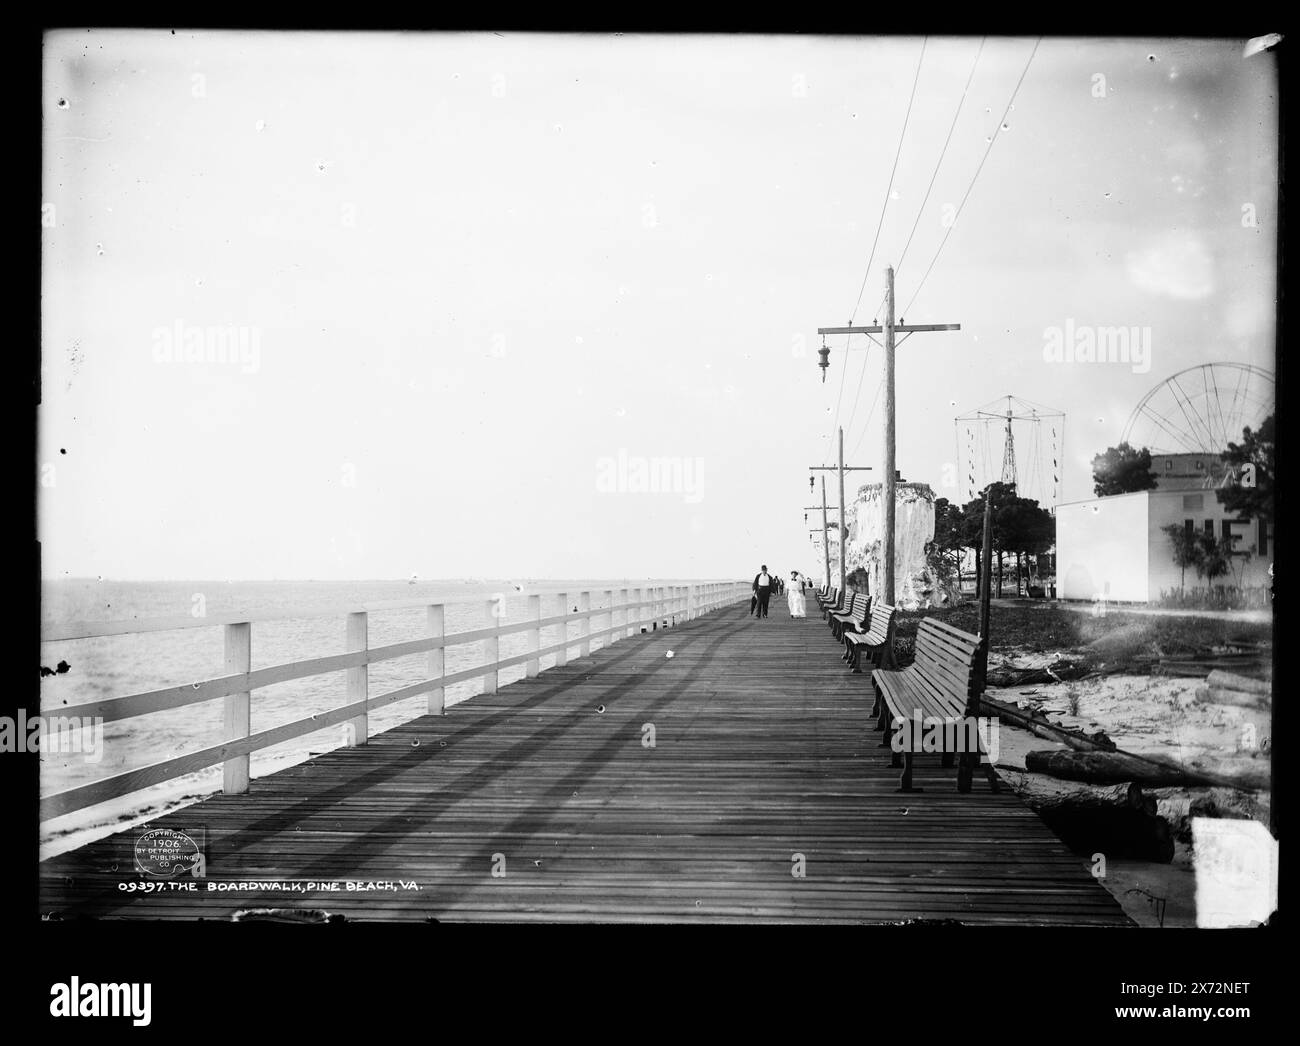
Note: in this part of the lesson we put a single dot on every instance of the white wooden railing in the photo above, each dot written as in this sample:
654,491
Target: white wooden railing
624,616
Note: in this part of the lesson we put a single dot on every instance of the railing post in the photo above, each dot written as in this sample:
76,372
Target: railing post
239,659
584,626
623,601
690,602
638,594
609,617
355,729
562,655
491,645
437,659
534,634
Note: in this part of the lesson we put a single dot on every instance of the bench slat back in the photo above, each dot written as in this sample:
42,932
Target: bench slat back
882,614
946,656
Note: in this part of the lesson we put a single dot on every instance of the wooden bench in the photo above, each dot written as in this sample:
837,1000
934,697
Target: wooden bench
876,642
854,619
832,604
932,705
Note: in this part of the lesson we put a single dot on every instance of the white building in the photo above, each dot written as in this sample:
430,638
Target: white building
1114,547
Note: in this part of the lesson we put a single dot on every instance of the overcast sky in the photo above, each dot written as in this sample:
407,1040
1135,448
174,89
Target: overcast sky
480,280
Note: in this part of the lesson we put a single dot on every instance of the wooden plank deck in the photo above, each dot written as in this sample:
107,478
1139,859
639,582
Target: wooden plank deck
763,749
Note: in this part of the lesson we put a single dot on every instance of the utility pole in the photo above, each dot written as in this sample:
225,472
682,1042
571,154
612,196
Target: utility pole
843,521
985,592
826,546
888,490
839,468
890,329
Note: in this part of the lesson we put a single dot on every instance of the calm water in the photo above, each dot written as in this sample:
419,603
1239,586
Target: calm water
115,666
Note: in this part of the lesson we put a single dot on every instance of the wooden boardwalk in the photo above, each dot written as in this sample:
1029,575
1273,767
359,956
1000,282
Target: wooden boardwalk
762,751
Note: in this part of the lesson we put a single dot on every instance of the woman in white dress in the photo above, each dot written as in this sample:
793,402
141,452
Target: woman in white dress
794,594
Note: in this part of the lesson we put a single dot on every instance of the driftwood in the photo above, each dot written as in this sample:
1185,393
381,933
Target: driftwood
1117,767
1233,681
1044,793
1119,819
1103,768
1038,724
1219,696
1203,666
1007,676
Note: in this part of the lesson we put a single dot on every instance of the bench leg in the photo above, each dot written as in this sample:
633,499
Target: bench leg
946,760
883,722
905,780
895,756
875,705
995,786
856,662
965,773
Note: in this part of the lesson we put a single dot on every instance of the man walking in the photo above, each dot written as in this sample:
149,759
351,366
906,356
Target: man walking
763,590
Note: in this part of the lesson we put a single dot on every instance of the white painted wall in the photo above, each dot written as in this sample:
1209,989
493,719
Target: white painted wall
1176,507
1102,549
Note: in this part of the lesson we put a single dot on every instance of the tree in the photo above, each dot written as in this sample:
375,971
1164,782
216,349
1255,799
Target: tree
1215,558
1249,491
949,529
1122,470
972,525
1187,549
1211,557
1027,530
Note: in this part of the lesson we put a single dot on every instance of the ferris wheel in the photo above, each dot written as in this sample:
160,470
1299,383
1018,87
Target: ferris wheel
1201,410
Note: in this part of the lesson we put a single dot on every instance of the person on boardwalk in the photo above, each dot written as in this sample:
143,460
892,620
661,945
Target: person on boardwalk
798,605
763,585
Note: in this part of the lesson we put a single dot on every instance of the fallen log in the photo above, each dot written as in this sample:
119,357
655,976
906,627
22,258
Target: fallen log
1103,768
1203,666
1038,724
1232,681
1216,695
1043,793
1116,767
1006,676
1119,820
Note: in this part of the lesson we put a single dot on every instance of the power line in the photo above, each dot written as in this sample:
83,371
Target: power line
943,152
866,358
866,425
966,196
888,189
879,224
